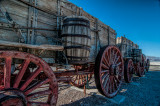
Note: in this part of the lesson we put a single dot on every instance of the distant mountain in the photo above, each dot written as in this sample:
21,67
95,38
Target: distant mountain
153,58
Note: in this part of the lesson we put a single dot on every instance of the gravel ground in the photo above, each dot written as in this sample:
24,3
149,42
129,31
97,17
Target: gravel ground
143,91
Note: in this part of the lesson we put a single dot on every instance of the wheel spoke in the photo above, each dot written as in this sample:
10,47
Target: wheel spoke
119,63
115,83
104,71
107,85
111,82
105,81
107,58
105,61
7,72
75,78
116,79
37,86
115,58
110,88
104,76
31,77
21,73
104,66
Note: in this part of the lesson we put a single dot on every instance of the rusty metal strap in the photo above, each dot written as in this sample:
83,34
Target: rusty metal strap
76,35
76,19
75,24
77,47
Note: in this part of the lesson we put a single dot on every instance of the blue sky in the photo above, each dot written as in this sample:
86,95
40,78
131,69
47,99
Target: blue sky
139,20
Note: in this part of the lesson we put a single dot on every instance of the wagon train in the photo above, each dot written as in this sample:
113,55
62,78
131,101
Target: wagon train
46,42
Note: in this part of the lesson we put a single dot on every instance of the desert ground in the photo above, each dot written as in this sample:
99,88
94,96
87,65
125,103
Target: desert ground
142,91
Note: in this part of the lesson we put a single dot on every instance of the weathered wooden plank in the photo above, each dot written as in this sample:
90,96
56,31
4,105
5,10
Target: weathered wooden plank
8,35
21,45
50,5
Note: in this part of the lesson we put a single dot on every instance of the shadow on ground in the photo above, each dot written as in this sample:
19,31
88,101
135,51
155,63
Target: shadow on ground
144,91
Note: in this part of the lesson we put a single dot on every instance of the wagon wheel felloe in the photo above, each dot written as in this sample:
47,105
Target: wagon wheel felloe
19,90
80,80
128,70
109,71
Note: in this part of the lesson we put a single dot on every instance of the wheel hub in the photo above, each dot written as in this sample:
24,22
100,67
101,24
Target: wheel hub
12,98
113,70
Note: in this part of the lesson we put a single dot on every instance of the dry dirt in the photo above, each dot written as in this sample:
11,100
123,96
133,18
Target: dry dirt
144,91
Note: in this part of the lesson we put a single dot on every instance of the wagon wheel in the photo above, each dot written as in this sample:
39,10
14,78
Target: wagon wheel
128,70
17,91
109,71
139,70
142,65
147,65
80,80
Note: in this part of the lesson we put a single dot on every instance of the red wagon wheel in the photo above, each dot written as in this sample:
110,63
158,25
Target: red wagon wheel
139,69
143,64
18,88
128,70
109,71
147,65
80,80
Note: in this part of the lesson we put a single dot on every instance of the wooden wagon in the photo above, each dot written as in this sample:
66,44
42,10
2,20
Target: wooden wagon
134,61
43,43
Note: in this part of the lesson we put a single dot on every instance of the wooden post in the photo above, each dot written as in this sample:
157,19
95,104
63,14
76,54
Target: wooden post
76,10
58,13
81,11
29,23
34,23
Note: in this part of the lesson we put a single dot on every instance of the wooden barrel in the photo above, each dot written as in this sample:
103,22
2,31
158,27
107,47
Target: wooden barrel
137,55
76,39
